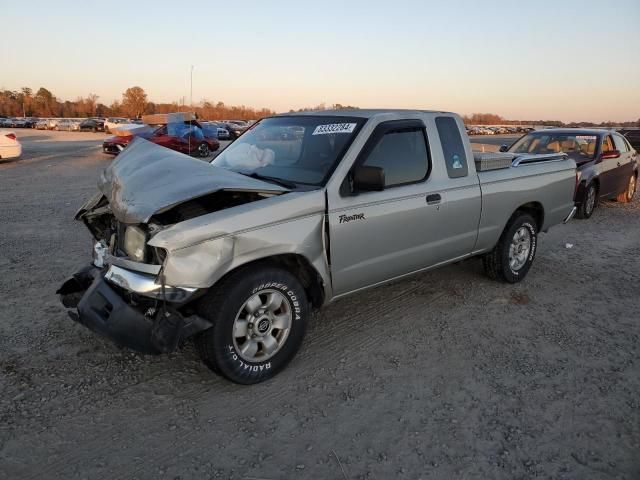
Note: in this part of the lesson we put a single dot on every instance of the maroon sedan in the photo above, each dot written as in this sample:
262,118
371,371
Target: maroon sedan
187,137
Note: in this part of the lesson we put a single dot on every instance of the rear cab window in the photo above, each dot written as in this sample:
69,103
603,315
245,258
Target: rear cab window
453,149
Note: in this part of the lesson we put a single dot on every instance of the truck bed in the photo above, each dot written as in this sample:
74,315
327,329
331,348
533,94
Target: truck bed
507,179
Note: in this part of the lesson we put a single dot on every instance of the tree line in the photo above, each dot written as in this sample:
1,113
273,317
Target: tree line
133,104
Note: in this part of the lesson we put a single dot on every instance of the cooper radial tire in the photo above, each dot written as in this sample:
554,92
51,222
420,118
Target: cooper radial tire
259,317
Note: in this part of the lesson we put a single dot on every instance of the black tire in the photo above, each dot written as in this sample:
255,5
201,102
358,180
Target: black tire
497,264
203,150
630,191
217,345
586,208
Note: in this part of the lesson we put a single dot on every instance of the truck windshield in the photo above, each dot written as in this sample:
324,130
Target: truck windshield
577,146
299,149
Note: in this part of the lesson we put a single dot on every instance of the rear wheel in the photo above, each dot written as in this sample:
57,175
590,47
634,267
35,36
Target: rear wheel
512,257
588,205
203,150
259,319
629,193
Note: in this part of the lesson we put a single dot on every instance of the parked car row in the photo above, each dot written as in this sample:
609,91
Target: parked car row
226,129
18,122
480,130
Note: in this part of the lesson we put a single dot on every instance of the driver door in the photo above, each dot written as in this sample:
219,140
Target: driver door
376,236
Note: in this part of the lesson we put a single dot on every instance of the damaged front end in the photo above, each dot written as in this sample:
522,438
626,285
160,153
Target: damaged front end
123,294
134,308
145,325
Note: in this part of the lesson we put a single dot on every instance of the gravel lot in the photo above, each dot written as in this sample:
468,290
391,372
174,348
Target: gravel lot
446,375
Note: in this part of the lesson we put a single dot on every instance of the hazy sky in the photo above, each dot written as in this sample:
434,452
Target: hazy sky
567,60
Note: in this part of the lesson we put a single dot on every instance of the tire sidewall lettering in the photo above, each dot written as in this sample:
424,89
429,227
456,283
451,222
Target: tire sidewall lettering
534,240
244,366
532,252
289,293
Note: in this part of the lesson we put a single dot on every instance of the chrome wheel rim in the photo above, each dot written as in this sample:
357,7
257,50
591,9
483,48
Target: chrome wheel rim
262,326
632,187
204,150
519,248
591,199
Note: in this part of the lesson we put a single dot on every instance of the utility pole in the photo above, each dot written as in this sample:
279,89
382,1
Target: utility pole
191,91
191,106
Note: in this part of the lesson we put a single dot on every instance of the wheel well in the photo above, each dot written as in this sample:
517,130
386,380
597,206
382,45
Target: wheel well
296,265
536,210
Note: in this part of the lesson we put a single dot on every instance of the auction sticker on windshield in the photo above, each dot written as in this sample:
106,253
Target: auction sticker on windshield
334,128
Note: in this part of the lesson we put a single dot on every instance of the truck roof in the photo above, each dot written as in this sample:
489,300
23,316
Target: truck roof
362,113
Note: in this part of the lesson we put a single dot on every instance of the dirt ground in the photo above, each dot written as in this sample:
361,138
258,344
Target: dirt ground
445,375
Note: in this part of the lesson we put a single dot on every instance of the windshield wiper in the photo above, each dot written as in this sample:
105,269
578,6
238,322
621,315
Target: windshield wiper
279,181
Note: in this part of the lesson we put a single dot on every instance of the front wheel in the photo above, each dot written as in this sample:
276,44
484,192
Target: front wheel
630,191
511,258
259,319
588,205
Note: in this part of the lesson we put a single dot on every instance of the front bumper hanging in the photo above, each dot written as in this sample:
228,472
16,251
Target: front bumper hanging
101,307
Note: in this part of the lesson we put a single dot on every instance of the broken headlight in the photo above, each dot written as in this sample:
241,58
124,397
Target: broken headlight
135,243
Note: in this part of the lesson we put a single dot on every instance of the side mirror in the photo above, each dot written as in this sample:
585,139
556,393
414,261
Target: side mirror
504,148
368,179
610,154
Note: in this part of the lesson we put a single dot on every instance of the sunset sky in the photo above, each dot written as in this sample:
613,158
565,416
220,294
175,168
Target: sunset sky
566,60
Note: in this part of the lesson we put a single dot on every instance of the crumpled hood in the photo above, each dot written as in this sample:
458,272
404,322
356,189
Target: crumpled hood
146,179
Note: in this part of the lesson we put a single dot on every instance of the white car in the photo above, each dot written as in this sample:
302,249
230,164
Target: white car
63,124
114,122
10,147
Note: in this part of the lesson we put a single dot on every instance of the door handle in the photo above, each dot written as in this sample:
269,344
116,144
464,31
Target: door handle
433,198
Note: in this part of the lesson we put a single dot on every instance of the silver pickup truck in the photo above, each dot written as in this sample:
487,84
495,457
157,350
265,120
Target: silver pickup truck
299,211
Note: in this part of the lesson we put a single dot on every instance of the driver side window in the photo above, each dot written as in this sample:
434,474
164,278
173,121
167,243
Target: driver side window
403,156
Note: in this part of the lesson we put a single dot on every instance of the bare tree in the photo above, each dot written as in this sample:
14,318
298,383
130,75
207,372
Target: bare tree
134,101
92,102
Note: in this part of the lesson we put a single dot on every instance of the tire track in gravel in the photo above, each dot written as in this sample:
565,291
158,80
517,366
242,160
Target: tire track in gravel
323,345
